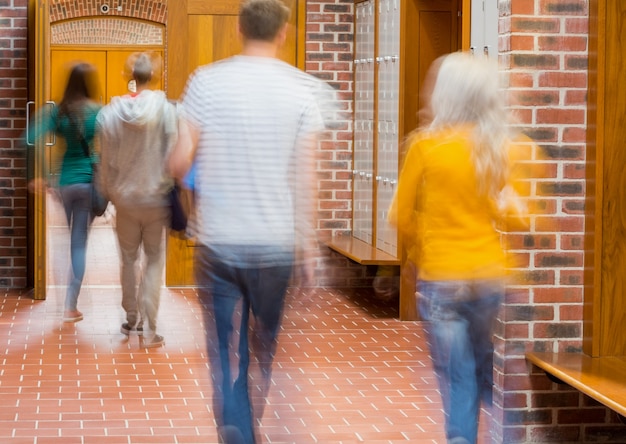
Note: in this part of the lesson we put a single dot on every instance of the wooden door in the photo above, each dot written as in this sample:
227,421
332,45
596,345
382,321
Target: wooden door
198,33
61,63
39,88
432,29
111,65
119,73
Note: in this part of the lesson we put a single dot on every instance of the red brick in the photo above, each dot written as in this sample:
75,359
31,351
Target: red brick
571,277
537,277
521,80
558,259
517,331
562,43
557,295
563,80
572,242
517,400
535,25
560,116
563,8
553,433
566,224
583,416
522,8
577,25
517,296
531,241
560,330
535,97
522,43
570,312
555,399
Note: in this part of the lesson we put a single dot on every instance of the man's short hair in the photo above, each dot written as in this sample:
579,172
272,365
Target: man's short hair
142,69
262,19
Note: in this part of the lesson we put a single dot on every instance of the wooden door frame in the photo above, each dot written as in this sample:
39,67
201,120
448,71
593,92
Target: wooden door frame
39,90
38,95
604,308
408,273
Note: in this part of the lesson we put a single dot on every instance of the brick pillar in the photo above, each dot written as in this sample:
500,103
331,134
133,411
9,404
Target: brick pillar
543,46
13,97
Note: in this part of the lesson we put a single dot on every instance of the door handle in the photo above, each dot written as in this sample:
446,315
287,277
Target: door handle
29,142
54,135
29,104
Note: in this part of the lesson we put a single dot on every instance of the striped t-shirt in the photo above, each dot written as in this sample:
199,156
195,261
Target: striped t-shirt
257,118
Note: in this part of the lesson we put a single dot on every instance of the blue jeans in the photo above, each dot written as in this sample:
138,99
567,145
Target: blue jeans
460,317
77,205
258,291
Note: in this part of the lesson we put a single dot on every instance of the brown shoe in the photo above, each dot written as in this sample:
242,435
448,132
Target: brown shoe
72,316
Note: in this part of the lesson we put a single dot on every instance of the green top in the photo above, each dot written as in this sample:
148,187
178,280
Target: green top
75,167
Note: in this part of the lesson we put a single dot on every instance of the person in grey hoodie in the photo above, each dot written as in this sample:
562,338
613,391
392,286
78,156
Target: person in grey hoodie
136,133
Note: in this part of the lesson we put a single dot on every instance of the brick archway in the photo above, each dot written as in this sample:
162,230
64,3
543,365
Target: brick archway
151,10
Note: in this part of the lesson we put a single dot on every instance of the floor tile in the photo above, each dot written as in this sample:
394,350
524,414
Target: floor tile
346,370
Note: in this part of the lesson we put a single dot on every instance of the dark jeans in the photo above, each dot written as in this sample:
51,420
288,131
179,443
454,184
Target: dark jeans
258,291
77,204
461,315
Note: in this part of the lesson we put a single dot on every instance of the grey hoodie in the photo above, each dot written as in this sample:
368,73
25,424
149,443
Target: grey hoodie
136,134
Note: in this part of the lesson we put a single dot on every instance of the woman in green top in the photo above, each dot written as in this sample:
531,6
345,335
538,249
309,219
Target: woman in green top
75,120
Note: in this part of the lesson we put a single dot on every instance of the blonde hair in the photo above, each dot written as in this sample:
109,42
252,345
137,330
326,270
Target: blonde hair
467,91
142,69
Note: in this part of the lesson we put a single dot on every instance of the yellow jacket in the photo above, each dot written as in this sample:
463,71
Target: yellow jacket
449,230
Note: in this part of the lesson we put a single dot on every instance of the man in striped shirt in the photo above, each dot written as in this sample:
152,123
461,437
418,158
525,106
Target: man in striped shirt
250,125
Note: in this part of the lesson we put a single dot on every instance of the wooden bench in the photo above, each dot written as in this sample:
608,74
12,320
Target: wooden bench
365,254
603,379
361,252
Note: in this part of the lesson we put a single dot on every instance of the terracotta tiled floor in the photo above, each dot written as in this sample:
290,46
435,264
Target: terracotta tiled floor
346,371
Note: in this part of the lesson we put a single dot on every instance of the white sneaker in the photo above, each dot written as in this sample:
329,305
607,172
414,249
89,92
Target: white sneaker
156,341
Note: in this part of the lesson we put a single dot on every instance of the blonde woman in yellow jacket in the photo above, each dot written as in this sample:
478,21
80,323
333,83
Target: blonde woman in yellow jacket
459,184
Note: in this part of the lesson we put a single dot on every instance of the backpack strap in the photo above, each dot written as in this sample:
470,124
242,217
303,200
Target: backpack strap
81,137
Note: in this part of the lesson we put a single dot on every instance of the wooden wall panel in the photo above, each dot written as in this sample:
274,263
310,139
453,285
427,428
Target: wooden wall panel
605,222
432,28
614,186
212,7
177,44
211,48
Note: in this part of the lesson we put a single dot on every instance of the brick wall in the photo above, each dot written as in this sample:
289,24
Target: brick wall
13,95
106,31
154,10
329,55
544,46
329,35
